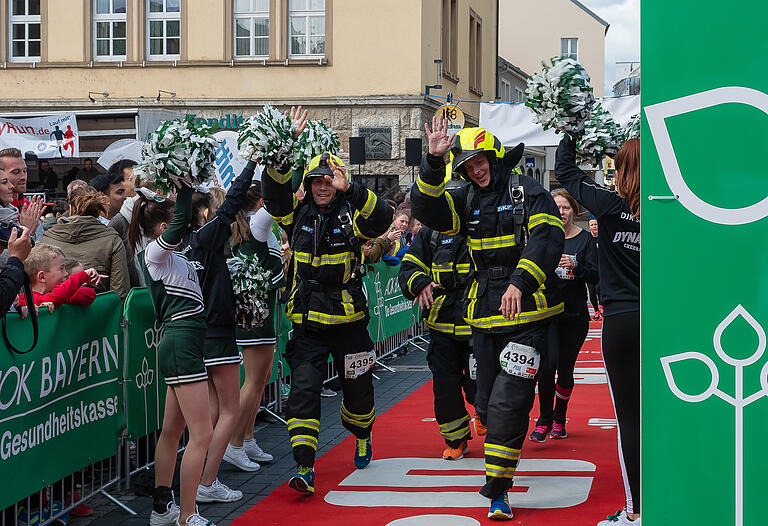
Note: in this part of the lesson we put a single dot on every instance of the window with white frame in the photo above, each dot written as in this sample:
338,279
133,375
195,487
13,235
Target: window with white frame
251,28
307,28
569,48
505,94
109,21
24,30
519,95
163,29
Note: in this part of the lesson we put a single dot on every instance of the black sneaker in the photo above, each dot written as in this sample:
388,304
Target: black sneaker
558,431
541,430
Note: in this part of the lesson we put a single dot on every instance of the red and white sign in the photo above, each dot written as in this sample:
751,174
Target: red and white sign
48,137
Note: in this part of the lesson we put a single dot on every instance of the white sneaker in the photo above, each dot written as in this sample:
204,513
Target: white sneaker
217,492
619,519
328,393
169,518
238,458
255,453
195,520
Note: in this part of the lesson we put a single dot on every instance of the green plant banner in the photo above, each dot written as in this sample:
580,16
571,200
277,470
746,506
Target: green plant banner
391,312
61,403
704,304
144,385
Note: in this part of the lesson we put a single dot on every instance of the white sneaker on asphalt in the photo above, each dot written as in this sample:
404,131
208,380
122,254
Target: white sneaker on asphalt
217,492
238,458
255,453
195,520
169,518
619,519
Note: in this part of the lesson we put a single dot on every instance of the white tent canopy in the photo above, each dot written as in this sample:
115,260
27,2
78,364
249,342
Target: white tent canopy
513,123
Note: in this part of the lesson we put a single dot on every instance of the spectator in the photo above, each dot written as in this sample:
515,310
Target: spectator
70,176
15,167
48,178
83,237
120,223
12,275
218,195
125,166
46,269
400,225
89,171
72,266
58,209
77,183
111,185
9,213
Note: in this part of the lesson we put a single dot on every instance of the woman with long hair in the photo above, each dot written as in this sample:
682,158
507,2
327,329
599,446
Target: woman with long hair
577,266
178,301
252,234
618,216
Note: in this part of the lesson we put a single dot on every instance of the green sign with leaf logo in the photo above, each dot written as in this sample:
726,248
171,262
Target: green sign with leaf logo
704,305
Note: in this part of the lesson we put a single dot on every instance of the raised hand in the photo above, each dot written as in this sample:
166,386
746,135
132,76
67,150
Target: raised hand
298,118
437,137
30,213
339,180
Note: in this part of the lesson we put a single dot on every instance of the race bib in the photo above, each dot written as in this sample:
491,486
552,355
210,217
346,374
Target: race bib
358,364
566,273
520,360
472,367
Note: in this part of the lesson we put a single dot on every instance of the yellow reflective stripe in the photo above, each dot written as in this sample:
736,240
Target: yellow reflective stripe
284,220
502,452
277,176
463,267
355,228
358,420
333,259
448,426
487,243
463,330
304,440
346,303
310,423
370,204
416,261
540,299
351,414
410,281
533,269
435,309
493,470
428,189
455,221
333,319
473,300
442,267
500,321
540,219
456,435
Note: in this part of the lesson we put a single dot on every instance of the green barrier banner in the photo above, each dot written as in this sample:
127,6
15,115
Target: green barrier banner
704,303
391,312
144,385
60,404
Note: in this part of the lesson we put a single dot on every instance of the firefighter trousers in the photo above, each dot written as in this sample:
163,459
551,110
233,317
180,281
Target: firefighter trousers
504,403
448,359
307,355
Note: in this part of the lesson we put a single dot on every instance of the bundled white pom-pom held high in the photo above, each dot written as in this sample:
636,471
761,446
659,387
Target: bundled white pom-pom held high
561,96
316,138
632,129
602,136
179,153
269,137
251,284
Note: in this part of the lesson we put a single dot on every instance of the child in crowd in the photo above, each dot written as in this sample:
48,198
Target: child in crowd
46,269
54,213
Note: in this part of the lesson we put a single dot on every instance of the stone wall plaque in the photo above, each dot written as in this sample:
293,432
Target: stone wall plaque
378,142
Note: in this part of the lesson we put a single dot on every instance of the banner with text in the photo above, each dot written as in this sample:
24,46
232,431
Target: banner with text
47,137
391,312
704,362
60,404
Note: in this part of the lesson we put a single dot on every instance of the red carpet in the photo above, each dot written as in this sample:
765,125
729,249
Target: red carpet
575,481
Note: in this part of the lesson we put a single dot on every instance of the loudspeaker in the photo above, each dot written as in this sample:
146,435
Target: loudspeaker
357,150
413,152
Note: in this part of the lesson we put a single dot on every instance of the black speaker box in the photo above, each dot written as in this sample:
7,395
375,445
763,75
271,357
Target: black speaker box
357,150
413,152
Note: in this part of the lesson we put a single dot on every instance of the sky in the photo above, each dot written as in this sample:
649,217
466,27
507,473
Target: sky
622,43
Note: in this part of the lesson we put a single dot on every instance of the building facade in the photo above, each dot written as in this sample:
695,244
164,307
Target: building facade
533,31
628,75
123,66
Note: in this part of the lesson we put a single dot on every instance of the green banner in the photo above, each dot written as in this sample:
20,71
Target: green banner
704,371
144,385
391,312
60,404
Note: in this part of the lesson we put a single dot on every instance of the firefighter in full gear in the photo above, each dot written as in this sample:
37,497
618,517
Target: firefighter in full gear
326,304
515,238
435,272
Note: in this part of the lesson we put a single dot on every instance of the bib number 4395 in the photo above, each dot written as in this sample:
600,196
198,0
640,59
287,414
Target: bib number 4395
520,360
358,364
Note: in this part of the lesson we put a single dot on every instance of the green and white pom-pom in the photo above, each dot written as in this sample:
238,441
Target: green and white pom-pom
632,129
251,284
316,138
268,136
602,136
179,153
561,96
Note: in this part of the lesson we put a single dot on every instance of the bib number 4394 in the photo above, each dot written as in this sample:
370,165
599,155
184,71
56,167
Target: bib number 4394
520,360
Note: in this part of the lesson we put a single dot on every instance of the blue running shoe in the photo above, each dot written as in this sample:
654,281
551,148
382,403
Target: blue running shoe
500,510
363,452
303,481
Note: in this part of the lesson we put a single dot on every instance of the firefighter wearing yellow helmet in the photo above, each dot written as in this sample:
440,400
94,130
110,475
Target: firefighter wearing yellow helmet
515,238
326,305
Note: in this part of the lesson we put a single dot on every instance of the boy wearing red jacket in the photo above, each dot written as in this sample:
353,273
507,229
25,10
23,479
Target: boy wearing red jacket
45,267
